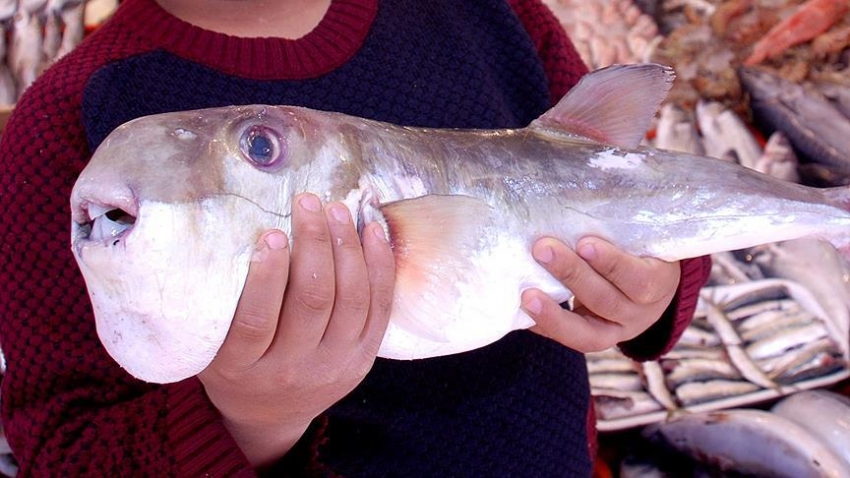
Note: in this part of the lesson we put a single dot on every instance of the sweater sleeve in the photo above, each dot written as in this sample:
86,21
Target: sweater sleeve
564,68
68,409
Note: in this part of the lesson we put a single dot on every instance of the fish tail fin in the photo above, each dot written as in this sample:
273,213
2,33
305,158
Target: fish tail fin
434,240
613,105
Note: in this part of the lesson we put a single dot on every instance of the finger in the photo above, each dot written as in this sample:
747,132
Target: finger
585,333
380,261
641,279
591,288
309,295
255,320
351,299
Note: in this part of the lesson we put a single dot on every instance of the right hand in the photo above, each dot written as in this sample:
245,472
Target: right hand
306,331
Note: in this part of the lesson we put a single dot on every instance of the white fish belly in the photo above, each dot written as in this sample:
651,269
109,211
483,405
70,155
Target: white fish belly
460,317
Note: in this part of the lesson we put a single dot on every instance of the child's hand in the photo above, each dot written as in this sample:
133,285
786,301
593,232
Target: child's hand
306,331
617,295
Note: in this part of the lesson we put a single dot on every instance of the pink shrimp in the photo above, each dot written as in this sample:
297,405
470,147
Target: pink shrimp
810,20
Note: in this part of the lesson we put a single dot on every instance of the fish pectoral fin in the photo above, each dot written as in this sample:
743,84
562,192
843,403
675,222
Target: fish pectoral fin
613,105
435,240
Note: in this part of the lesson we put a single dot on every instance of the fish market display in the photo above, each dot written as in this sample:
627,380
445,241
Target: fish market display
815,266
706,41
156,212
35,33
748,342
750,442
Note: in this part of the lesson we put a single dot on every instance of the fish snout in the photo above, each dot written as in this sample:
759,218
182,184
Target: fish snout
102,215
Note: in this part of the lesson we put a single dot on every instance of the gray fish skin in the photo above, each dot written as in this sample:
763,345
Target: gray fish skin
164,273
811,122
749,442
824,414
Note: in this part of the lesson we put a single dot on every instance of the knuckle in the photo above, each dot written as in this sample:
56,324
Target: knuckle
253,324
566,271
315,298
313,231
288,378
353,304
348,243
650,290
616,310
647,293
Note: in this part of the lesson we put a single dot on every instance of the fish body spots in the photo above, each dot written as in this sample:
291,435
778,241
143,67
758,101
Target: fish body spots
612,159
183,133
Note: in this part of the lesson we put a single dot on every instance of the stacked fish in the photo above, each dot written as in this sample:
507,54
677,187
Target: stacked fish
38,32
748,343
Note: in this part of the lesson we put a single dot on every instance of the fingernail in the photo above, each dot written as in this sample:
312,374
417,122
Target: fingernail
534,306
310,203
276,240
339,213
587,251
544,254
379,232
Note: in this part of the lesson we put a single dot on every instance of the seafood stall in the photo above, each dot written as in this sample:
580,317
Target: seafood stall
36,33
766,84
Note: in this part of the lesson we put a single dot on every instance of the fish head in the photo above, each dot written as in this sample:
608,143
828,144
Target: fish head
165,218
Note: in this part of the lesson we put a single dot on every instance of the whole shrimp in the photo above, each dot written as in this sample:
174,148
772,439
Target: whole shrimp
810,20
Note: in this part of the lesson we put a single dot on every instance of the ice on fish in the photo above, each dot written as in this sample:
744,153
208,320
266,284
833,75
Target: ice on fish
166,214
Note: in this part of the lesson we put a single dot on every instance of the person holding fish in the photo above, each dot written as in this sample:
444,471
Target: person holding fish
296,386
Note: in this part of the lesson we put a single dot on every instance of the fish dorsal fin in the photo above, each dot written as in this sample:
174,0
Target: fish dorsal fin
613,105
434,240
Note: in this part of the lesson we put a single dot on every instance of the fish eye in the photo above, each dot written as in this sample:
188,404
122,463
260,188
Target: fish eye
262,146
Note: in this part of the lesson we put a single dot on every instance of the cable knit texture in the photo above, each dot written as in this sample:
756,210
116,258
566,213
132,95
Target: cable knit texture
518,407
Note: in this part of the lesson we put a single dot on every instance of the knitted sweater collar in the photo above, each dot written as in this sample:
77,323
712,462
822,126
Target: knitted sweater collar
339,35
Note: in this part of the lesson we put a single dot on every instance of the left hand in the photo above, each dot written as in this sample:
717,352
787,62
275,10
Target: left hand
617,295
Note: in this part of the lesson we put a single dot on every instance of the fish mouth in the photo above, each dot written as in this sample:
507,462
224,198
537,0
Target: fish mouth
103,223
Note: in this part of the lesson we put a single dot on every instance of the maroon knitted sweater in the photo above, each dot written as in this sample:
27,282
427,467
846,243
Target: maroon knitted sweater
69,410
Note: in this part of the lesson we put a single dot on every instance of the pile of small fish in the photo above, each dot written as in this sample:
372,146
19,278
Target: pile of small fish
748,343
38,32
802,435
